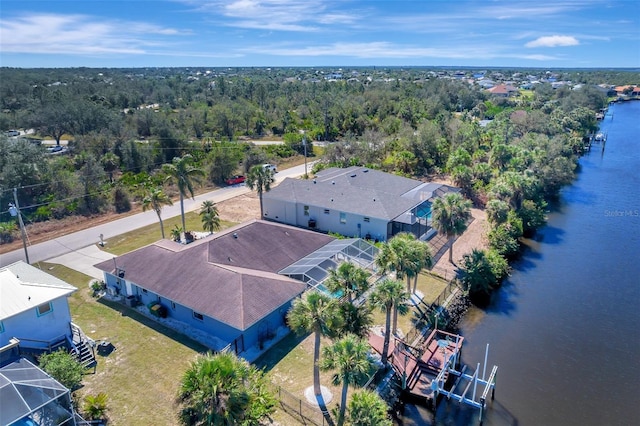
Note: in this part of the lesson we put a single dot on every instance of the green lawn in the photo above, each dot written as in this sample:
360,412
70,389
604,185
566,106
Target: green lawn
142,374
149,234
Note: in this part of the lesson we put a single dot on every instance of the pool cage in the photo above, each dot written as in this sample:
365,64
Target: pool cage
314,268
30,397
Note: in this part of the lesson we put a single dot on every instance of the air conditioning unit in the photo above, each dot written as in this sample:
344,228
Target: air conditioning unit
112,291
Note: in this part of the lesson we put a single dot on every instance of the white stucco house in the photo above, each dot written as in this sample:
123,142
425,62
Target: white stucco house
356,202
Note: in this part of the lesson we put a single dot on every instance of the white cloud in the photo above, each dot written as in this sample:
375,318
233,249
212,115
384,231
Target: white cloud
553,41
79,35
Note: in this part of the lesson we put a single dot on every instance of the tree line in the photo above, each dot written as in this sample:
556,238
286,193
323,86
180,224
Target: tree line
123,126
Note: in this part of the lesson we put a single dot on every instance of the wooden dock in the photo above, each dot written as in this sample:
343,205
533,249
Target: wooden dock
419,366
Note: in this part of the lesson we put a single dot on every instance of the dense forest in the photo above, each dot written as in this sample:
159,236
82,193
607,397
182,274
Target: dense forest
122,125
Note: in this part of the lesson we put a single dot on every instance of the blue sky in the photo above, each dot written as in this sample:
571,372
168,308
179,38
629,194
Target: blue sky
141,33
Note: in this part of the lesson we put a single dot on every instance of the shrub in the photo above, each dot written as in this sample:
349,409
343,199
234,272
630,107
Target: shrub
63,367
95,406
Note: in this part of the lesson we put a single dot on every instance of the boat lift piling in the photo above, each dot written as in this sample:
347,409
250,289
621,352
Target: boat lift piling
449,368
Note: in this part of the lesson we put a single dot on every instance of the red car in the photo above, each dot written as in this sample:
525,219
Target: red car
233,180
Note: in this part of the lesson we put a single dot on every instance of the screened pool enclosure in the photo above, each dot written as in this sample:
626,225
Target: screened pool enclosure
314,268
30,397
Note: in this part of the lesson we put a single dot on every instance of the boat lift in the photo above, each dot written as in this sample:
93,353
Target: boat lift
438,384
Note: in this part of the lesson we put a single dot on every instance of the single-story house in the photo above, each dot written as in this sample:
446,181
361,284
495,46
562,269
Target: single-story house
228,285
503,90
356,202
33,309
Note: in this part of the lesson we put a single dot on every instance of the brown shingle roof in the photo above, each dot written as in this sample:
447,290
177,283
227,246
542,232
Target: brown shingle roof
238,292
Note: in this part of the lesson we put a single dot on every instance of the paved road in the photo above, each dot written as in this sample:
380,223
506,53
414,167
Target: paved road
72,243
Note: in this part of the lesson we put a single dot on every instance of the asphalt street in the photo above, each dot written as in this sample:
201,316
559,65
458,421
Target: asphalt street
64,248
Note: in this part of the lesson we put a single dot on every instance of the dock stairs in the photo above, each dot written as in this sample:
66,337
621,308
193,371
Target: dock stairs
83,348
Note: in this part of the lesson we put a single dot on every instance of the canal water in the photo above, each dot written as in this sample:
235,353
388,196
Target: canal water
564,330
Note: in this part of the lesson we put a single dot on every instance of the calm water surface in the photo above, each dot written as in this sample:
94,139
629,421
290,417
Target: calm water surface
565,328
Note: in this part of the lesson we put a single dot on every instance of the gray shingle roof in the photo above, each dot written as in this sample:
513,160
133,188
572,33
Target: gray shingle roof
355,190
200,276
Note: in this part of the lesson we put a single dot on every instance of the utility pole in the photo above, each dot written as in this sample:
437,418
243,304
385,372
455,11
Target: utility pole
304,142
14,210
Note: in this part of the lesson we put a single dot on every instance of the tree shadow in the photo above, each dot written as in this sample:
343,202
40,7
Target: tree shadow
277,352
126,311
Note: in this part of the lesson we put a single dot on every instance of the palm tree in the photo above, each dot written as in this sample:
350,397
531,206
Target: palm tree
210,217
348,278
318,313
185,174
356,319
260,178
156,199
450,216
176,233
385,296
222,389
415,255
395,256
366,408
349,357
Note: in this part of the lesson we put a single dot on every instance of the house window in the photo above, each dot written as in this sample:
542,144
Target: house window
44,309
1,327
343,218
366,219
144,290
306,210
326,211
198,316
173,305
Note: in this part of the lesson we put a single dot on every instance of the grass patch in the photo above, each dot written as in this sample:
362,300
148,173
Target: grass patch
149,234
141,376
430,285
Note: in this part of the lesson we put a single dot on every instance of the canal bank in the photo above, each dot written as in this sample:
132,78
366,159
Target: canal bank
564,328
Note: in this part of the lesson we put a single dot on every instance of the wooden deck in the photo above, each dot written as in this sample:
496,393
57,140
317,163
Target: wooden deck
419,366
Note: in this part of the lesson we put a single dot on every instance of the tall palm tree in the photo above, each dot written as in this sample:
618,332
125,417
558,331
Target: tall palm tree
396,256
385,296
156,199
348,278
366,408
185,174
260,178
348,356
318,313
223,389
209,216
415,254
450,216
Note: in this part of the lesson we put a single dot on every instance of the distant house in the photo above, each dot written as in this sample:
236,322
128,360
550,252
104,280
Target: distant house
230,286
356,202
503,90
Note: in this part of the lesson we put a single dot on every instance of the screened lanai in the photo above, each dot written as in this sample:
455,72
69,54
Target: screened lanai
30,397
314,268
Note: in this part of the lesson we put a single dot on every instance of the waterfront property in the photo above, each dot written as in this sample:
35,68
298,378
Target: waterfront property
356,202
35,316
236,286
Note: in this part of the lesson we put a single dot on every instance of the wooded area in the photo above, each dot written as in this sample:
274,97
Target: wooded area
122,125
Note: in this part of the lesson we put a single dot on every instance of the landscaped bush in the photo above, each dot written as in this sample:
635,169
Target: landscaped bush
95,406
63,367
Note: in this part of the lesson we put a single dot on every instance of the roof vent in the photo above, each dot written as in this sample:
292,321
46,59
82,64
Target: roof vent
353,175
235,235
333,182
314,181
365,171
374,199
